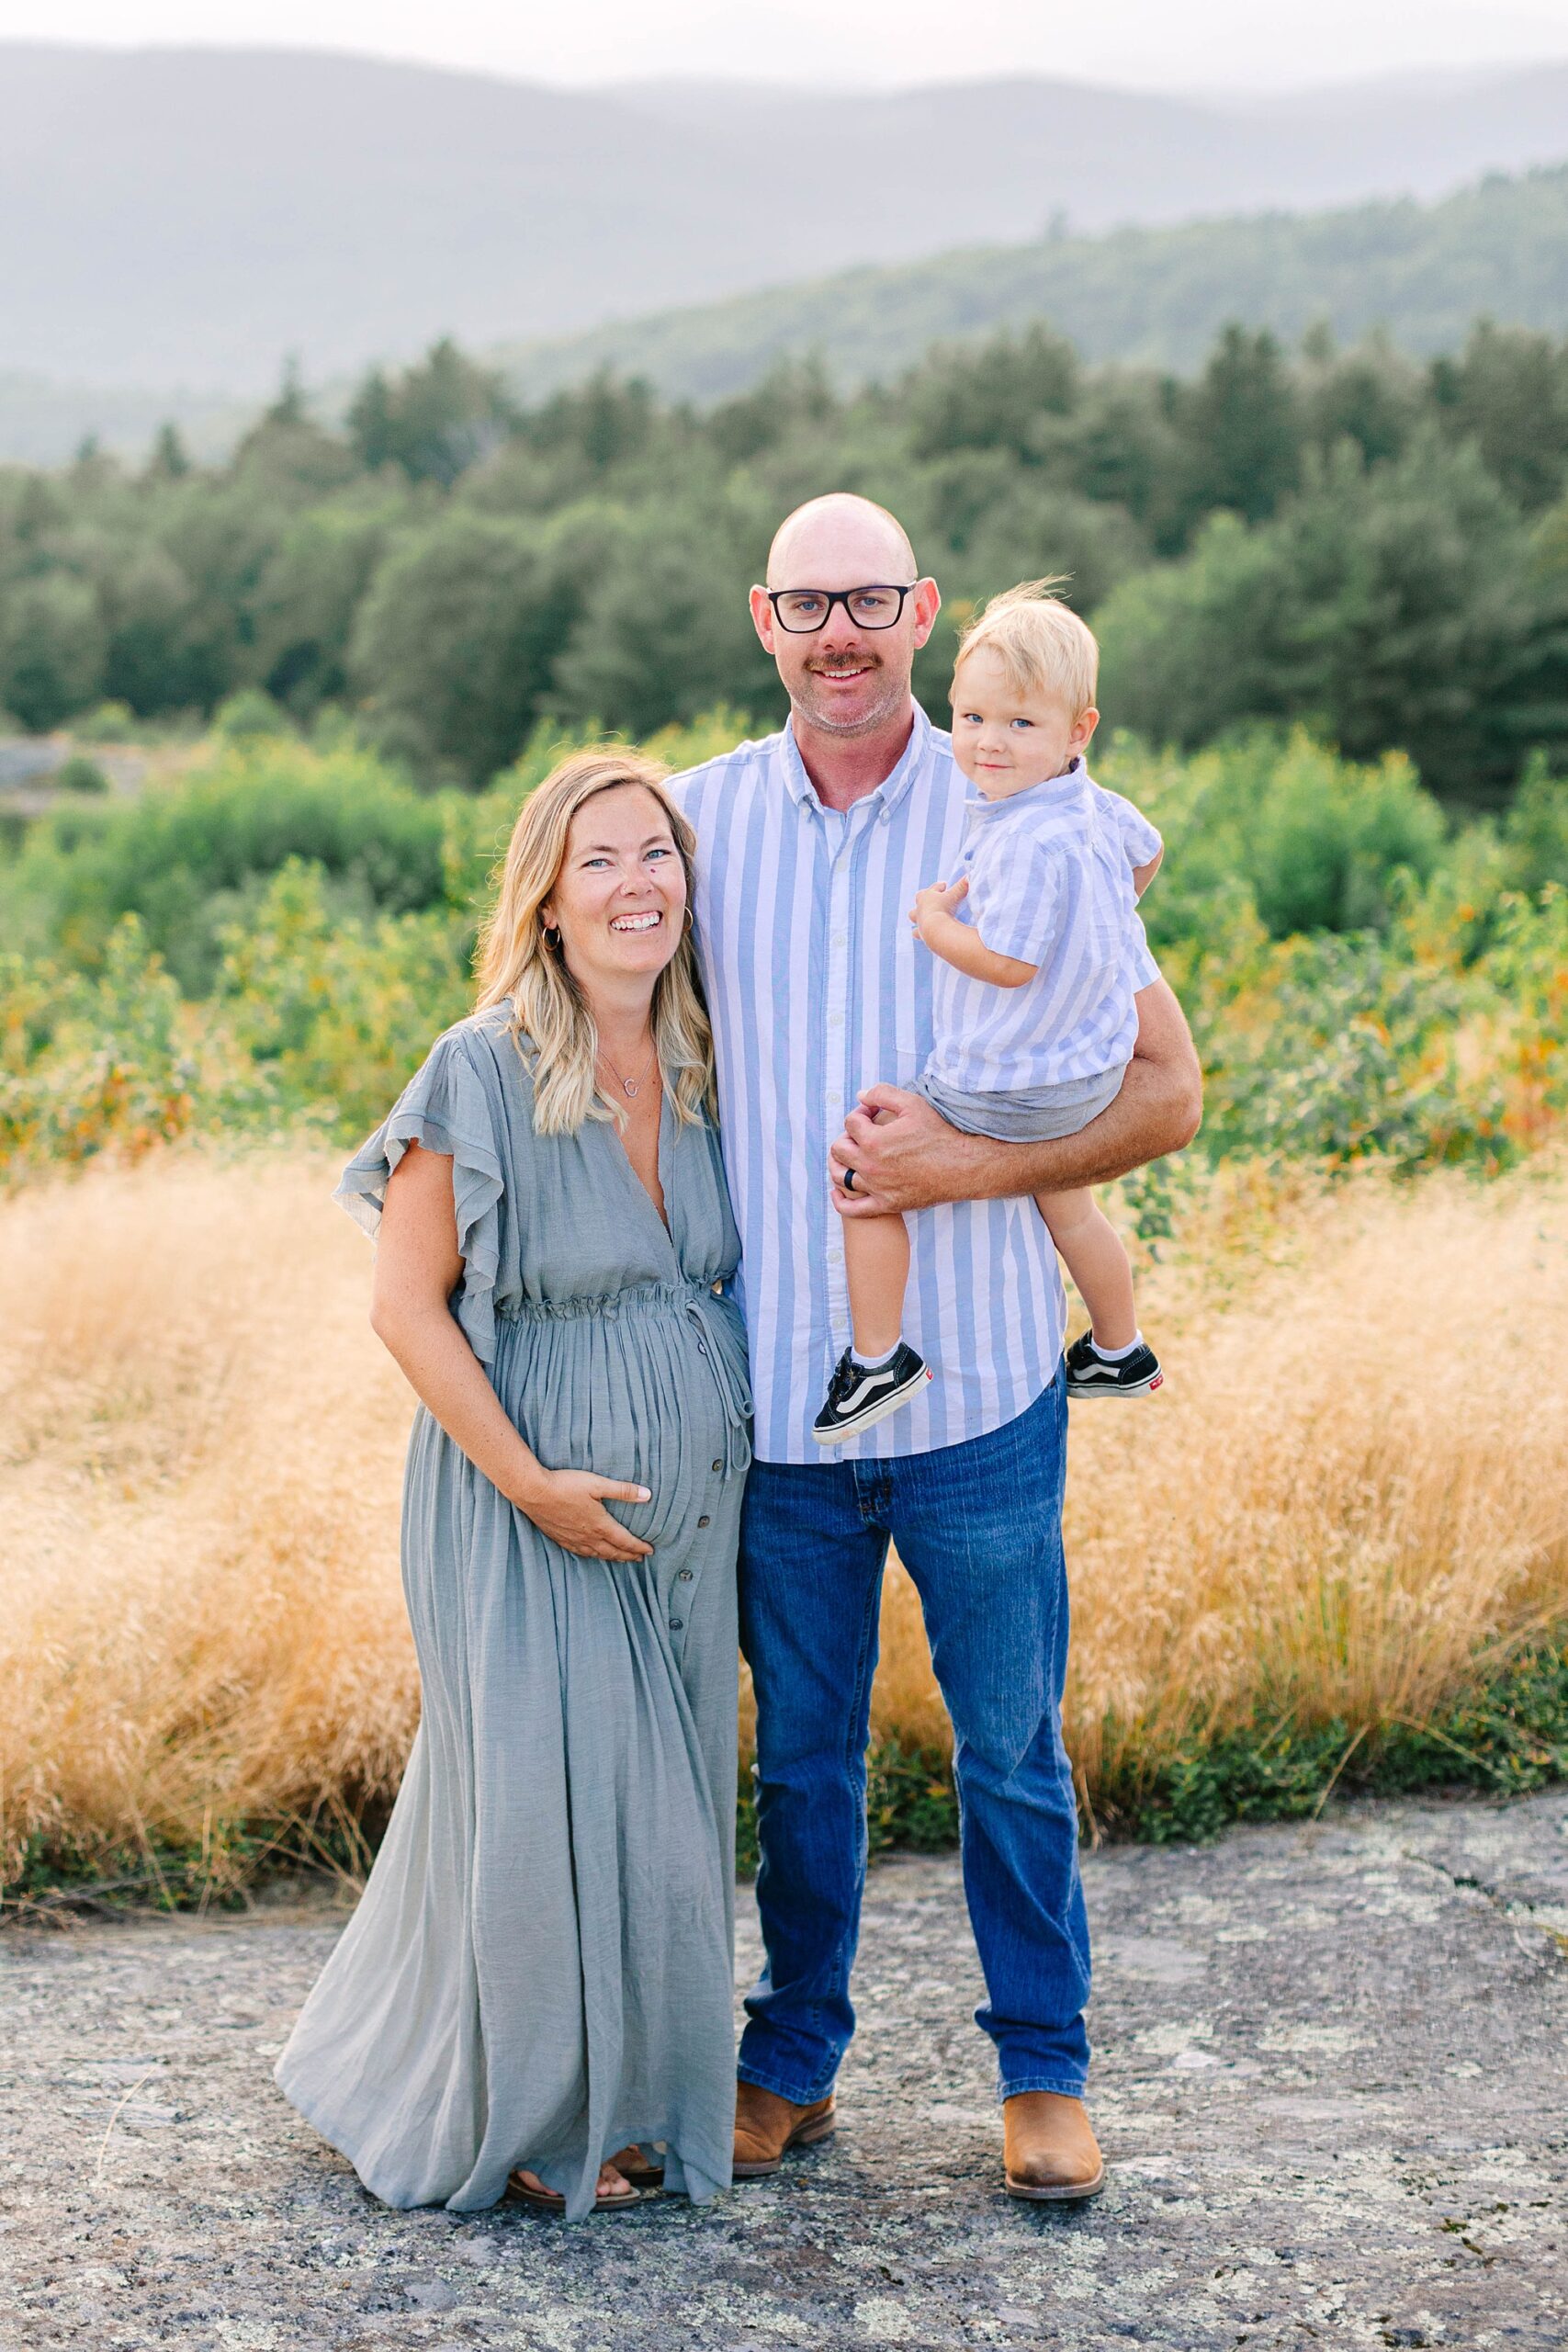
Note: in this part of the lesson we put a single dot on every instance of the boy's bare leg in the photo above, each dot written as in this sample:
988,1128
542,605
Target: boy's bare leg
876,1266
1091,1251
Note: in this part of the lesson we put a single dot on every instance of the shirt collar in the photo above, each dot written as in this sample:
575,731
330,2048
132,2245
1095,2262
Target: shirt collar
888,793
1064,791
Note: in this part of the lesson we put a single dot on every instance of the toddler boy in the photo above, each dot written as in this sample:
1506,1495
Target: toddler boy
1033,1007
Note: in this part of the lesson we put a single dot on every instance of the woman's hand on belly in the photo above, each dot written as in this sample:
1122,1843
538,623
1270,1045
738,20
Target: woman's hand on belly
568,1507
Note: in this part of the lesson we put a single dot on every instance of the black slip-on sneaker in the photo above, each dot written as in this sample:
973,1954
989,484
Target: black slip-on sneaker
1091,1374
858,1397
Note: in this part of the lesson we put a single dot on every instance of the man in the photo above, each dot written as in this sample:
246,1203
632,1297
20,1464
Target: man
811,847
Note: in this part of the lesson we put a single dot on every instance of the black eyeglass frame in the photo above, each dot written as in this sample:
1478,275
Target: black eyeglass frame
841,596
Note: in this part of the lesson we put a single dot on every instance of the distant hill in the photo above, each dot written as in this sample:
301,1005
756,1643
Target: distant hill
189,217
43,422
1159,296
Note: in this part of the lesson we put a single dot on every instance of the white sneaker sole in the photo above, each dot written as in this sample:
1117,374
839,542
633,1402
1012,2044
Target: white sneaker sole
1139,1388
879,1412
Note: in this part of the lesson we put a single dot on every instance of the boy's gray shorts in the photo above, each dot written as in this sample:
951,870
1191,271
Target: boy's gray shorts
1036,1115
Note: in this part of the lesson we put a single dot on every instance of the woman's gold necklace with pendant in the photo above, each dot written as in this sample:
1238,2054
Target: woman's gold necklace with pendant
630,1086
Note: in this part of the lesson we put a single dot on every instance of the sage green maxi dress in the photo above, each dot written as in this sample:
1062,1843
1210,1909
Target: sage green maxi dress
539,1969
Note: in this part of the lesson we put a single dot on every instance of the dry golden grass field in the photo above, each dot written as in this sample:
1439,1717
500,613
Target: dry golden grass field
1351,1496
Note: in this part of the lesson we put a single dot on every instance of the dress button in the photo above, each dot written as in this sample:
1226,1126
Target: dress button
705,1520
718,1465
676,1623
685,1575
702,1346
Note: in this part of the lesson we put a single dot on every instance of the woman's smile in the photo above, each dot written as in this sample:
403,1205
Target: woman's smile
621,880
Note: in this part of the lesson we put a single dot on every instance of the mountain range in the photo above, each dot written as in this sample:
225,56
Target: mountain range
190,217
1423,274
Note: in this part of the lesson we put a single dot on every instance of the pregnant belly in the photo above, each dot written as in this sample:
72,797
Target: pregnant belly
651,1398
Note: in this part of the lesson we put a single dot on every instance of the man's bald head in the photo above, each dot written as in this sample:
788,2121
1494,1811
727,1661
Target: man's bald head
840,541
846,683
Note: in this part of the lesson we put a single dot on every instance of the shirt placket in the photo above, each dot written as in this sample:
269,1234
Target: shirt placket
842,833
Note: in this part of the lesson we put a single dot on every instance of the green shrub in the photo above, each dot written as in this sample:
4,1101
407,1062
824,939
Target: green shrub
183,855
1535,830
250,717
1334,1049
111,722
338,1014
1506,1734
115,1061
1315,842
80,774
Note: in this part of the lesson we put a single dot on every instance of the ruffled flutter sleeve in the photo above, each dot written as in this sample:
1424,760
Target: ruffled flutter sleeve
445,1108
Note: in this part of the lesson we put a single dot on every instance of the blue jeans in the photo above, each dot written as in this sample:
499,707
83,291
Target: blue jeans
979,1529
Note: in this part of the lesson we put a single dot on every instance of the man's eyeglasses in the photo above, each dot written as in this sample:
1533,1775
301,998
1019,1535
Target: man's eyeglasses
803,611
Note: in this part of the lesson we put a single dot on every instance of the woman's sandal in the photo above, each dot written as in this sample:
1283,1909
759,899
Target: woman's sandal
643,2184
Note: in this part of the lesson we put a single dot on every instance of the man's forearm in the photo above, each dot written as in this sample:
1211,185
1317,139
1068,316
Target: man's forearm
1158,1110
1149,1118
903,1156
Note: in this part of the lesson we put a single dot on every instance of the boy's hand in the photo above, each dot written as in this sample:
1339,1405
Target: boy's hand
938,899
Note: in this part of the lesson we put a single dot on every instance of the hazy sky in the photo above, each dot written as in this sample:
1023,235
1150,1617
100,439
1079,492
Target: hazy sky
1210,44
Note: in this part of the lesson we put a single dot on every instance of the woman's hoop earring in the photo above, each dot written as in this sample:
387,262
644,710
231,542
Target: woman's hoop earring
550,934
689,924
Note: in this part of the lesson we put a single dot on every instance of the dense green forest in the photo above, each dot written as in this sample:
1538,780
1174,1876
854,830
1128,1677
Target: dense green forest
1374,545
1419,272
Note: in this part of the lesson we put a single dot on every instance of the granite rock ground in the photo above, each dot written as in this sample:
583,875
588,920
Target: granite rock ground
1330,2081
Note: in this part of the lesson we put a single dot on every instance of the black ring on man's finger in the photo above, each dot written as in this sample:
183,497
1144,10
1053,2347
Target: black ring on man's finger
849,1180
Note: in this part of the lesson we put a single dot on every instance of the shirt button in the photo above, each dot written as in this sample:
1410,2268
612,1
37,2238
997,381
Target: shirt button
702,1346
719,1465
676,1623
685,1575
705,1520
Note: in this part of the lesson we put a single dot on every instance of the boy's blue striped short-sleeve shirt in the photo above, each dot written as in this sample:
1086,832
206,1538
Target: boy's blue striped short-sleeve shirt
1050,884
818,987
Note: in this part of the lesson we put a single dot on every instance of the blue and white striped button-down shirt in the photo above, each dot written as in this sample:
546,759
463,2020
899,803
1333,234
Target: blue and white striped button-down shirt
817,988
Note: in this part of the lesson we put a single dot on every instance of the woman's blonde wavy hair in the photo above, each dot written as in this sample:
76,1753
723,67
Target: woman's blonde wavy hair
549,1016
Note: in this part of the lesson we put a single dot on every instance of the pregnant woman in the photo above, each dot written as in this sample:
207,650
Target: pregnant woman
535,1988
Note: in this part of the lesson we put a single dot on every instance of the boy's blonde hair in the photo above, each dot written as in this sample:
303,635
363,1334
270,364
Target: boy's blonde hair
1041,643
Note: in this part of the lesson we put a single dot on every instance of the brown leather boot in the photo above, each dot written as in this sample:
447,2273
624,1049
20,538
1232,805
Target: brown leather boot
1050,2151
766,2125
